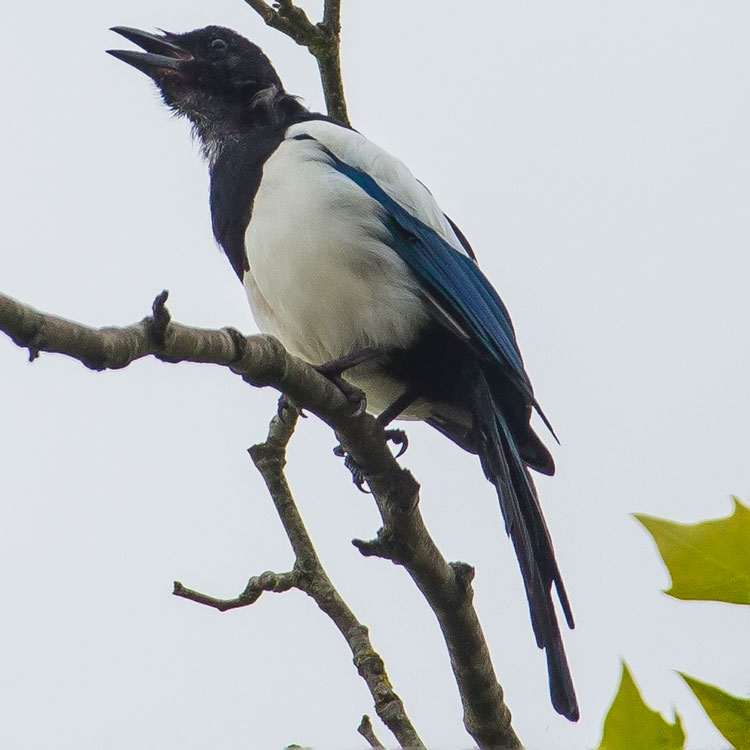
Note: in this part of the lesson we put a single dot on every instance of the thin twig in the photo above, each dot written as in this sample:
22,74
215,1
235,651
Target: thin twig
309,576
270,458
332,16
322,40
263,9
366,730
268,581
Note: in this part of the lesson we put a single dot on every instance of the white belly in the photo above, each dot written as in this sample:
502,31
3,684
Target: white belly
321,279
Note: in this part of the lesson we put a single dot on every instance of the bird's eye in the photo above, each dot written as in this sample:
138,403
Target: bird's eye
218,45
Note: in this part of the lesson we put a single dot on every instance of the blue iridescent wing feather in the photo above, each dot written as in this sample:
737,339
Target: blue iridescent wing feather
453,277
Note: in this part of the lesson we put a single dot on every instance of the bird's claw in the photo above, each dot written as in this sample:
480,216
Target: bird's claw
358,476
398,437
287,406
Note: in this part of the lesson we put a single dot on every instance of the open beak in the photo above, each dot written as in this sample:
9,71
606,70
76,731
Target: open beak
161,55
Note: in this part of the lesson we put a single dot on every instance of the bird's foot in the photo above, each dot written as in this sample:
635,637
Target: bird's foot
336,367
355,396
359,478
358,475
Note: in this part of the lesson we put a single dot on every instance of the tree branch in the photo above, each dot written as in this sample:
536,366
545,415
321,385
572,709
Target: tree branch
308,575
268,581
323,41
366,730
262,361
332,15
270,458
404,540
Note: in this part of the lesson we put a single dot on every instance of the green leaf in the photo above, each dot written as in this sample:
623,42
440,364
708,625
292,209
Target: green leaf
729,714
631,724
709,560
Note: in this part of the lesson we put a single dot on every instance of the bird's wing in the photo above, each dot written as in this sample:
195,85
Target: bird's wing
425,239
461,296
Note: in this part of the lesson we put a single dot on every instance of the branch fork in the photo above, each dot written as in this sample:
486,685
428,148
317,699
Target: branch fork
308,575
262,361
322,40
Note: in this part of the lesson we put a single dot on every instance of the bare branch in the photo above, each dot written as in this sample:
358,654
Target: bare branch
323,41
113,348
262,361
332,19
287,18
366,730
309,576
268,581
447,588
263,9
270,458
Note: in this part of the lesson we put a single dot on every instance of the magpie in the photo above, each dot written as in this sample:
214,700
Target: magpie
347,258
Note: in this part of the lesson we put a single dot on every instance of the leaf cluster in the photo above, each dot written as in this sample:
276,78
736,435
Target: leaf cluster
707,561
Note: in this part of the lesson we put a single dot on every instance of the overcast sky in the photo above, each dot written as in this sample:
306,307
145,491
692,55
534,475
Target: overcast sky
595,153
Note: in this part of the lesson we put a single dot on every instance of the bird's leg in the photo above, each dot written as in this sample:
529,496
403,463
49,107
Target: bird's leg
334,369
403,402
406,399
347,361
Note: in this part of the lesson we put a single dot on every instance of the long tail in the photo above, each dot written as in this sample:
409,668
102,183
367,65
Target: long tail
524,522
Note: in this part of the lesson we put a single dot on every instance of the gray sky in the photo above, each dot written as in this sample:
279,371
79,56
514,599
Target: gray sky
596,155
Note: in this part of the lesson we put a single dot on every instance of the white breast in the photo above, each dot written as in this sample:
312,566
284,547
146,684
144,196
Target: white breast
321,277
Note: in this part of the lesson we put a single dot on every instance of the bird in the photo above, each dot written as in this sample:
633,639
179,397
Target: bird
348,260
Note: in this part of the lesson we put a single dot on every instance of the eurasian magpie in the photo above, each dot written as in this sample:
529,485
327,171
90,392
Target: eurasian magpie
342,251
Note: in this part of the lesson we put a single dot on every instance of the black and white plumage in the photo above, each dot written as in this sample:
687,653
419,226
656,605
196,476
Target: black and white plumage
340,248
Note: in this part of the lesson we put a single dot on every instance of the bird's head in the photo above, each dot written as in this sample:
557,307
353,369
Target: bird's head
213,76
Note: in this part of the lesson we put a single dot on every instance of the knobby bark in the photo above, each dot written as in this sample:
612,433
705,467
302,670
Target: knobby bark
403,538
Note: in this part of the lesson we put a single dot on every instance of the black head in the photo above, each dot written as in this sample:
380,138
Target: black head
213,76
